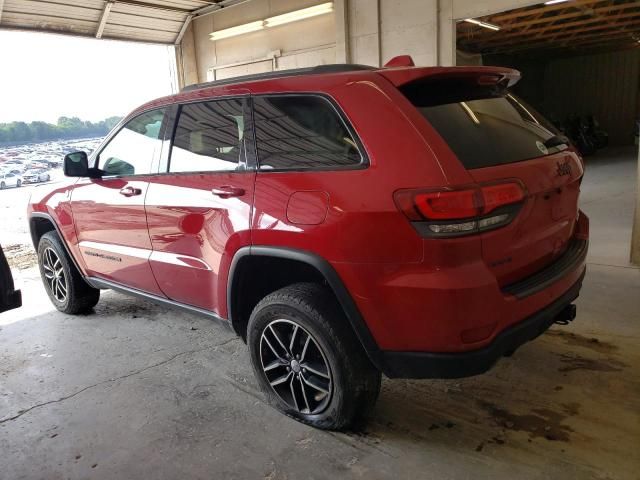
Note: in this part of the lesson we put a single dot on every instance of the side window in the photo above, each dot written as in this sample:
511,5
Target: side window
302,132
132,149
209,137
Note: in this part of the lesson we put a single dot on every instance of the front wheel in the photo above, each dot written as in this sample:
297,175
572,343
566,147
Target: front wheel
307,359
2,186
66,288
19,183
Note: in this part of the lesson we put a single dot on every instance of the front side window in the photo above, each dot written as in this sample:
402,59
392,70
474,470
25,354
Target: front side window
209,137
132,149
296,132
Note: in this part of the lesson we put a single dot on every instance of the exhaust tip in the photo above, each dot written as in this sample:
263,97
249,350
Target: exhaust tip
566,315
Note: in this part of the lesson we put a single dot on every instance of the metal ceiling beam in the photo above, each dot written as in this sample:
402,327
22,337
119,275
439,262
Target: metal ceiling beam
103,19
137,3
218,6
537,10
623,36
614,8
552,33
183,29
551,28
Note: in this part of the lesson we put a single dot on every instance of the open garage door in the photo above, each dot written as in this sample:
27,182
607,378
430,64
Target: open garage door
580,64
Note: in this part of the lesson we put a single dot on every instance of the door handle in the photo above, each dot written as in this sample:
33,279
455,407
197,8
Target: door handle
228,192
130,191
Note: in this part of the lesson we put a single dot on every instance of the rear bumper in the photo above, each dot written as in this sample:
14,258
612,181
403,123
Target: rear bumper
474,362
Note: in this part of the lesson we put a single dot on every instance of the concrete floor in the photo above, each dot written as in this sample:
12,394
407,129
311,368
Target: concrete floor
138,391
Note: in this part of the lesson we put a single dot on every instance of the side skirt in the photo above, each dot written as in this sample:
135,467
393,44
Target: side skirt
106,284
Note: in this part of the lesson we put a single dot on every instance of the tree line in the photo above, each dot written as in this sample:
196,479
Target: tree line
66,127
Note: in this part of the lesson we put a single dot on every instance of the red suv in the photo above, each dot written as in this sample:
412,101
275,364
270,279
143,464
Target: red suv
346,221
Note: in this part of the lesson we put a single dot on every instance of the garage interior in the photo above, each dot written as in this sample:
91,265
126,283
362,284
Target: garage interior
139,391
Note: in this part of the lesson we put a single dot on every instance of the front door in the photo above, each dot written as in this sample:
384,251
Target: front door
109,213
199,209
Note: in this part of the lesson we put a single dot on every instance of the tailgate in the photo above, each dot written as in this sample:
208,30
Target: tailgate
542,230
498,138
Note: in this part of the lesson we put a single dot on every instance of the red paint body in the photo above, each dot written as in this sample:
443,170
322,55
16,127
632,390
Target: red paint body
414,293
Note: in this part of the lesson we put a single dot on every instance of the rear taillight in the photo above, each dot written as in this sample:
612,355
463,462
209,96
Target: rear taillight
461,211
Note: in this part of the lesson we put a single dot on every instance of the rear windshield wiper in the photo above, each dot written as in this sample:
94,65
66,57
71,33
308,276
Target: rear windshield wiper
556,141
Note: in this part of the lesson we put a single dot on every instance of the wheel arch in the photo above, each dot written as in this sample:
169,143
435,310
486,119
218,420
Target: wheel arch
41,223
307,263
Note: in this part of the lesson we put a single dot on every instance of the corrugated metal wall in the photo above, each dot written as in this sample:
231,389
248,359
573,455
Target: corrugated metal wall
605,85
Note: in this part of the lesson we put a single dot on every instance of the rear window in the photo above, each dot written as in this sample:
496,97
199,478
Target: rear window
483,125
302,132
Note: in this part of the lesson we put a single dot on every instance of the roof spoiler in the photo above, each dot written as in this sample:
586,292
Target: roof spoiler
505,77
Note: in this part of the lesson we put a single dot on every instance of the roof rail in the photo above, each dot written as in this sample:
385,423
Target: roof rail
294,72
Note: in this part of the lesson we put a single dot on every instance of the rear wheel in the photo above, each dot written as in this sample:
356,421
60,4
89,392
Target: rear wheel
66,288
308,360
19,183
2,186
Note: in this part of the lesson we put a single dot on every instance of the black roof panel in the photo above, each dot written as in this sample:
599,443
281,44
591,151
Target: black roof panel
333,68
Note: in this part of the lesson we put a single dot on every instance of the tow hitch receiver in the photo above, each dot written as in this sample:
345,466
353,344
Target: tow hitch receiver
566,315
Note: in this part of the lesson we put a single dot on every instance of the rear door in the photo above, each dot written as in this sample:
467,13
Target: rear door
199,207
109,213
496,137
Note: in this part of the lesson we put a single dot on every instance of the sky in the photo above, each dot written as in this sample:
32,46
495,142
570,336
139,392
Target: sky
45,76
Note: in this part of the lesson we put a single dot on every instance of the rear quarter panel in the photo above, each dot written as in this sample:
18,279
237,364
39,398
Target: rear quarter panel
362,223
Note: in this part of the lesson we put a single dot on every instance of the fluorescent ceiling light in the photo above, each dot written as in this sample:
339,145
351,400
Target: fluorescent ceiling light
490,26
274,21
239,30
299,14
552,2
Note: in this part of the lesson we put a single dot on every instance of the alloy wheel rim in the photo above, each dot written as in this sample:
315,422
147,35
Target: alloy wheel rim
54,275
296,367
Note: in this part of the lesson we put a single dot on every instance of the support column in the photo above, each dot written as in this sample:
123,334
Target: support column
635,236
186,59
446,34
341,9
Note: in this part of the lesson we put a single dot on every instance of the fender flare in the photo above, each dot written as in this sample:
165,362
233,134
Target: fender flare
328,273
46,216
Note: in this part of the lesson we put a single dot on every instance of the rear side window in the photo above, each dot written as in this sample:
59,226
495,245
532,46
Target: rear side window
209,137
484,126
299,132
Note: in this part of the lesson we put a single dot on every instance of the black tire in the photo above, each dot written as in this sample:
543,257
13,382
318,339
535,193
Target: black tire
19,183
2,186
79,296
353,382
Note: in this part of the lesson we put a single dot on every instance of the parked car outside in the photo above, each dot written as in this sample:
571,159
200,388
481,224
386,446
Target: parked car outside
15,165
10,179
345,221
36,176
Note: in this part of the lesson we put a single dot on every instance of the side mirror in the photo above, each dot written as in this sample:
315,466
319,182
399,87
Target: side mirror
76,164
